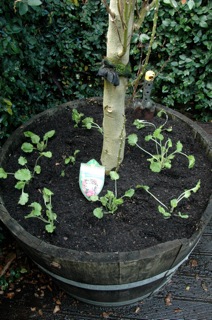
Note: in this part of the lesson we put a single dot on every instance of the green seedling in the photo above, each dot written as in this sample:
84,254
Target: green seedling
70,159
24,175
50,216
110,201
167,211
164,156
142,124
87,122
37,145
76,117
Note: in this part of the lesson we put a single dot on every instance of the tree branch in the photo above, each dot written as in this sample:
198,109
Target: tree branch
155,19
142,14
109,11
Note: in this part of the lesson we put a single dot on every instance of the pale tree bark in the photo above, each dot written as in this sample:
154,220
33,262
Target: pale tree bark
121,16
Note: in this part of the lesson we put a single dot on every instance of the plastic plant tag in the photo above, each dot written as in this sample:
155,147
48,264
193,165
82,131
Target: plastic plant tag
91,178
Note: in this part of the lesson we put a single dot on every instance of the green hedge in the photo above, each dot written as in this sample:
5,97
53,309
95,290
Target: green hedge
49,55
52,53
183,46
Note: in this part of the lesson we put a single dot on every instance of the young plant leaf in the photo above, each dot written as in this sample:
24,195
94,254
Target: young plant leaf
50,214
182,215
169,129
148,137
50,228
3,174
27,147
94,198
22,161
98,212
155,166
169,143
161,113
165,213
132,139
41,146
47,154
67,160
48,135
36,211
117,202
196,188
179,146
62,173
87,122
157,134
191,160
146,188
47,192
174,203
167,163
20,185
23,198
129,193
187,194
142,124
76,117
104,200
47,195
114,175
34,137
23,175
37,169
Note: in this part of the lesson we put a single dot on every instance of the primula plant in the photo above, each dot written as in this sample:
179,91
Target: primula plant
162,159
25,175
87,122
110,201
167,211
37,211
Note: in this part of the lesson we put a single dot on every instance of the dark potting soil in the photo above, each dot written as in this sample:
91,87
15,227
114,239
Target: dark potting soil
136,224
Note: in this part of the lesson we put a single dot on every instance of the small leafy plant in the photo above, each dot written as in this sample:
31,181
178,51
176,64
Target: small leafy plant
110,201
87,122
164,156
50,216
167,211
71,159
24,175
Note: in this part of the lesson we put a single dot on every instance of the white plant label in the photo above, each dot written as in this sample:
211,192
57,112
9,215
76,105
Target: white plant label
91,178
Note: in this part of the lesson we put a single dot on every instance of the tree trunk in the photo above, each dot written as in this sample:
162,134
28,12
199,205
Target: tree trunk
118,45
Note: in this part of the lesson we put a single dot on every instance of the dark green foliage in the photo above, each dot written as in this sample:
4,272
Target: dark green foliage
51,55
181,57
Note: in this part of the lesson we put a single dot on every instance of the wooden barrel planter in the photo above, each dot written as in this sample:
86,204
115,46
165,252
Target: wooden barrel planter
114,278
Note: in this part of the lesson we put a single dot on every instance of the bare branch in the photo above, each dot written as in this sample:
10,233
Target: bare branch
109,11
143,68
142,13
